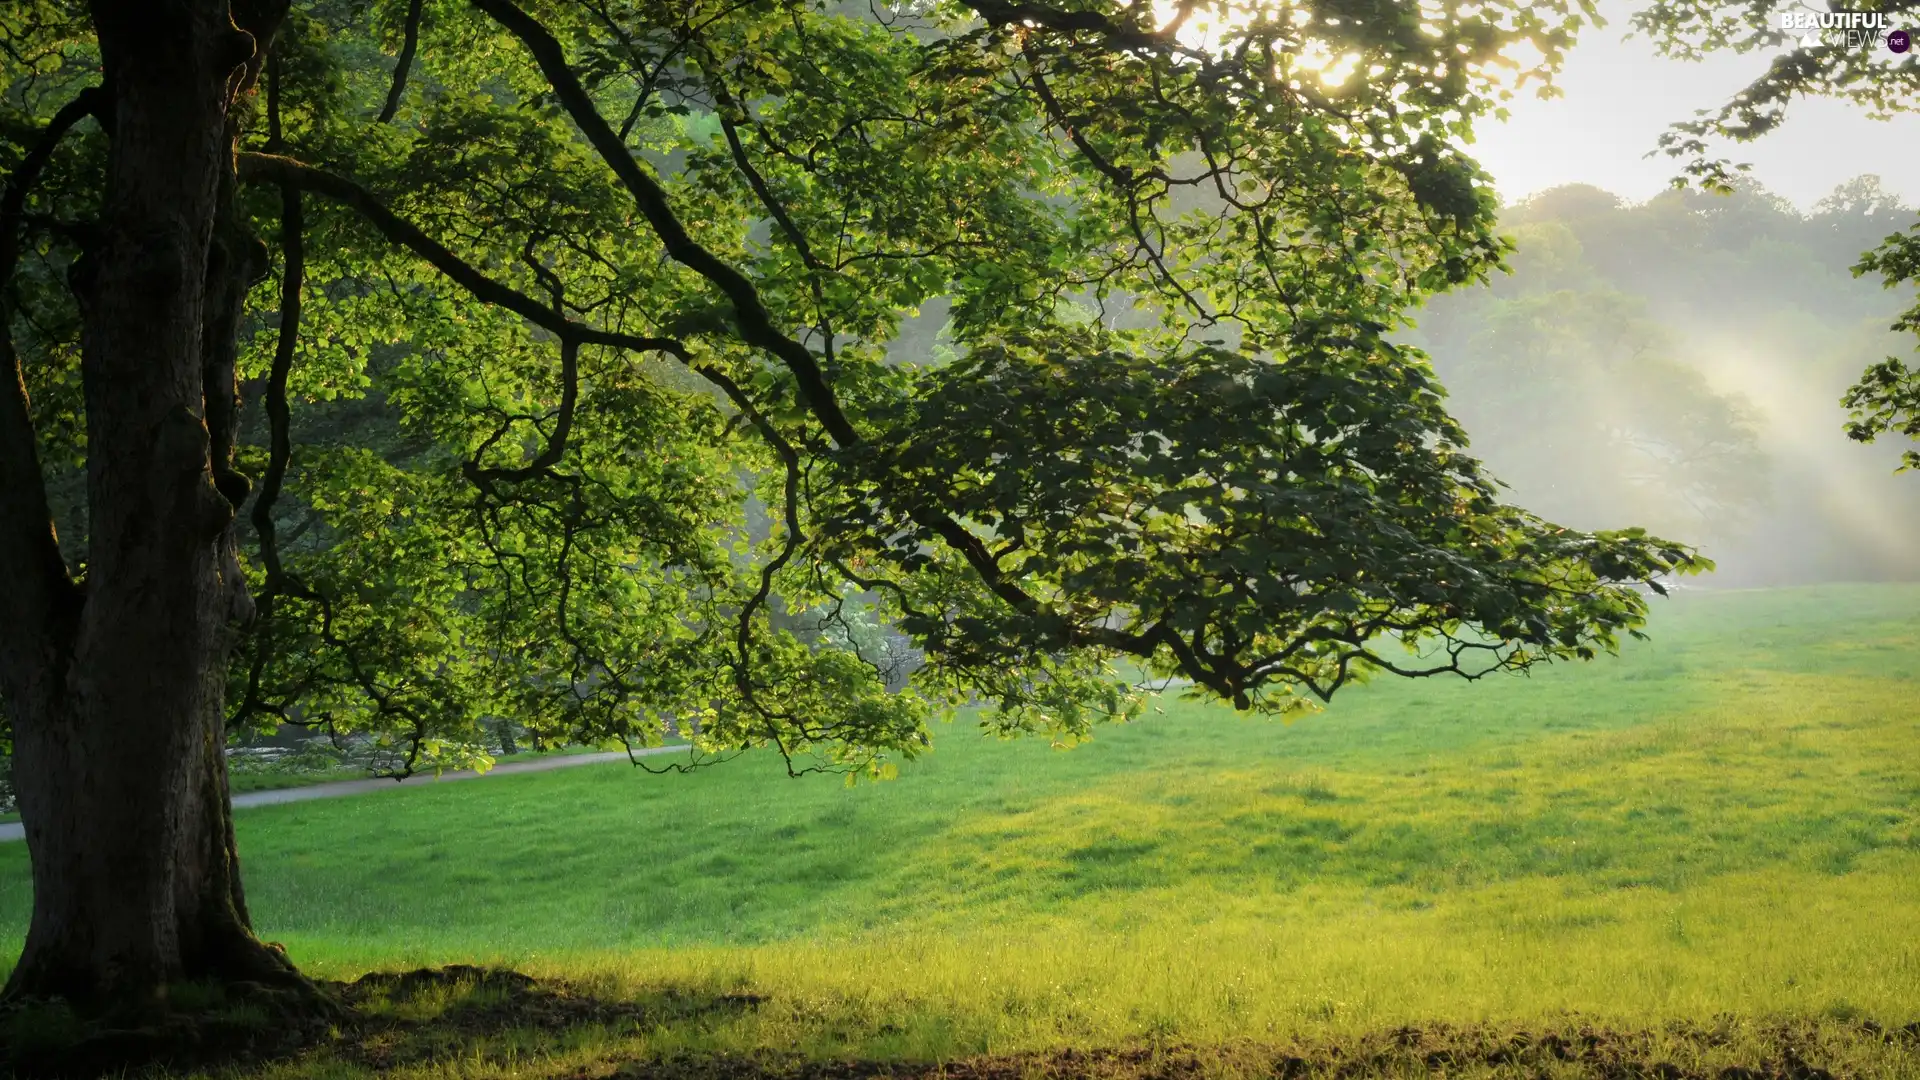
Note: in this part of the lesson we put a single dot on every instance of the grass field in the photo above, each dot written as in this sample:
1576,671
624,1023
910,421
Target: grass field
1721,826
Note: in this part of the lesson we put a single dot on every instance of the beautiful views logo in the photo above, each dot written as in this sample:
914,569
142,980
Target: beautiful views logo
1846,29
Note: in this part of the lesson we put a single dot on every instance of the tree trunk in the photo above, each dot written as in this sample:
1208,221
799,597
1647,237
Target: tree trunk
120,732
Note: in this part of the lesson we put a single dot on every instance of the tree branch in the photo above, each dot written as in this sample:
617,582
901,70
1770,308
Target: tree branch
13,202
279,441
790,462
36,580
282,170
403,63
767,199
556,443
999,13
756,323
274,169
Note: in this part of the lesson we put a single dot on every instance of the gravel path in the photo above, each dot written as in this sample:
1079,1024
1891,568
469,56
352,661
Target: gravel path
16,831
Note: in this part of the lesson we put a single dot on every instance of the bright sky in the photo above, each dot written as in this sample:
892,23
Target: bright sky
1620,96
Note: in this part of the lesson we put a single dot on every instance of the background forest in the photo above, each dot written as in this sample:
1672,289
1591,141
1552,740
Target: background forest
1679,363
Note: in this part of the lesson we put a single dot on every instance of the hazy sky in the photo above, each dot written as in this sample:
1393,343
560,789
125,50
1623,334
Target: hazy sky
1620,96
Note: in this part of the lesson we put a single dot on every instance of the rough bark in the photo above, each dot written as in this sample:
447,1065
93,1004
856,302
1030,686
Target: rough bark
118,704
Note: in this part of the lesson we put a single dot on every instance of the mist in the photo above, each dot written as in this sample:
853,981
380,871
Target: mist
1677,364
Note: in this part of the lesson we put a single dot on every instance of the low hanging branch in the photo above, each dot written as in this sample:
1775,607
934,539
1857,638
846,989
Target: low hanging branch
1216,641
268,168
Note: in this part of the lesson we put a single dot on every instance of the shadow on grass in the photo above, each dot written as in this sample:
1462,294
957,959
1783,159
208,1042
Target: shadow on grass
377,1023
430,1014
454,1019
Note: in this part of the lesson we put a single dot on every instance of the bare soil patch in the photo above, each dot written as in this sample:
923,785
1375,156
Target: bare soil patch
1434,1051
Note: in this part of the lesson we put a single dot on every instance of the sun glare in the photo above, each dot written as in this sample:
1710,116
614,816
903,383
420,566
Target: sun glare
1205,27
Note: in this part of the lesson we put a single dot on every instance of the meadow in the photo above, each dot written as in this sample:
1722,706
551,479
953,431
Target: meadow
1711,841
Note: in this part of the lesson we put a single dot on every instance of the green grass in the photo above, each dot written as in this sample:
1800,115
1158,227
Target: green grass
1724,820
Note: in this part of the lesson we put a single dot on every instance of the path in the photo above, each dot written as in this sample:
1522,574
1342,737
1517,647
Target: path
15,831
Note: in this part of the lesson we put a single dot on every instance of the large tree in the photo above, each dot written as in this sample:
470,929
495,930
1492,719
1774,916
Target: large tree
563,393
1803,64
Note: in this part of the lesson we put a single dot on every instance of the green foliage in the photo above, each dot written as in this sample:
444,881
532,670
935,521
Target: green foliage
596,405
1887,397
1130,483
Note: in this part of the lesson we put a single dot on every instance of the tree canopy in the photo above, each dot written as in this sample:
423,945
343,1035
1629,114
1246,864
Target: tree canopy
562,298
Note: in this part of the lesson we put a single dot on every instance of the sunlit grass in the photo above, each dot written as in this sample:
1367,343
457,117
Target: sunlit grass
1725,820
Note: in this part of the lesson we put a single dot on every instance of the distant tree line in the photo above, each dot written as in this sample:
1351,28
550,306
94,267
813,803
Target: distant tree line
1681,362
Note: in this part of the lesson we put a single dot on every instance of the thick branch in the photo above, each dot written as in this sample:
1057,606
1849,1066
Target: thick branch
35,579
1000,13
